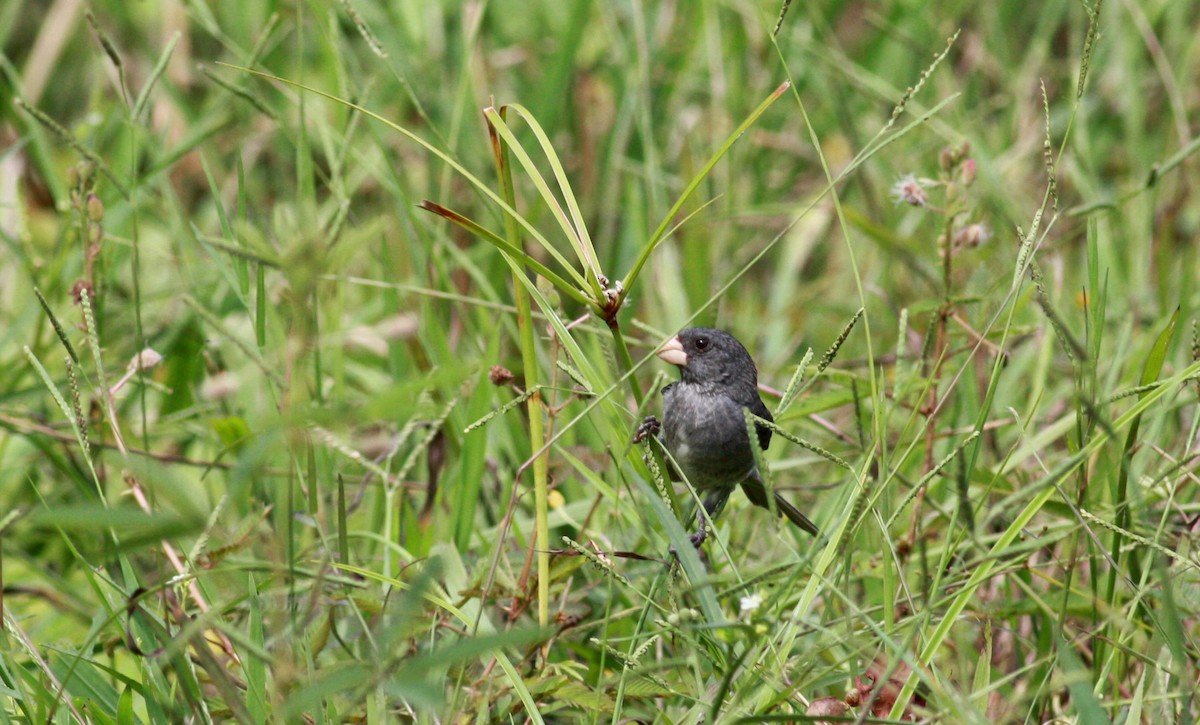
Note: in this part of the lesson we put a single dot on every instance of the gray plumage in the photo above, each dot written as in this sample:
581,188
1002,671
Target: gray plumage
704,428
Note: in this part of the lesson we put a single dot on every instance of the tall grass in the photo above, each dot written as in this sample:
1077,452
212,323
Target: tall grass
406,265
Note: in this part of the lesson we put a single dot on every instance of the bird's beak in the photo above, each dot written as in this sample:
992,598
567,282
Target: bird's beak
673,353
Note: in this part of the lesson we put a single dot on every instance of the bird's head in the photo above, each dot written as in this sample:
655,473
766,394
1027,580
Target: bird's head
705,355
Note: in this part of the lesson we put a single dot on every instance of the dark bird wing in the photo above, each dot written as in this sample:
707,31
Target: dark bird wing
759,408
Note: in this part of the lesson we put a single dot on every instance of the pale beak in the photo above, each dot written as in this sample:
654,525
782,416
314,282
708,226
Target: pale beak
673,353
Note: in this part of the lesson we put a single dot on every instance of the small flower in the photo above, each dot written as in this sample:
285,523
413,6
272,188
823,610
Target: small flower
910,190
750,603
972,235
145,360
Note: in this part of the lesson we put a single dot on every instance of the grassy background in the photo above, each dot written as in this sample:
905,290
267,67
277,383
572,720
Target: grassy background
286,517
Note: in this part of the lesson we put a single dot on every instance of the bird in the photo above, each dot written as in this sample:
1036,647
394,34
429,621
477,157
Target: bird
704,427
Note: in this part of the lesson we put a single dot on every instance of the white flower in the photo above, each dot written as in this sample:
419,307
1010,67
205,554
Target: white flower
750,603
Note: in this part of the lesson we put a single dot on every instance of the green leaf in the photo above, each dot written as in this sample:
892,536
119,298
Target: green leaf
1079,682
233,431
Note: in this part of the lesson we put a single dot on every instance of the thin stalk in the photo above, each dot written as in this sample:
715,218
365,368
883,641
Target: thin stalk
537,433
626,361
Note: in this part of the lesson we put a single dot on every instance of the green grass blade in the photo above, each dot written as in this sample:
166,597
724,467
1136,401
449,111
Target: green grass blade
660,233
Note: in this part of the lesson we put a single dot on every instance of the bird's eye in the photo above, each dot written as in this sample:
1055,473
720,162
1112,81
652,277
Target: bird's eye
701,343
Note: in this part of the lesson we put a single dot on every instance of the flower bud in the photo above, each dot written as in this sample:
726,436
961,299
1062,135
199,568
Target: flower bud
500,375
95,207
969,170
972,235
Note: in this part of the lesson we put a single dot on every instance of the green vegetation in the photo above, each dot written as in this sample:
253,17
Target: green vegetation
327,327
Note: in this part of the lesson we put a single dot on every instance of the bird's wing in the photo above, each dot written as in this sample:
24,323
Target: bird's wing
759,408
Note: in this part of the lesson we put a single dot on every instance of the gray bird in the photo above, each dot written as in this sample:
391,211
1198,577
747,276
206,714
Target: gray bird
704,428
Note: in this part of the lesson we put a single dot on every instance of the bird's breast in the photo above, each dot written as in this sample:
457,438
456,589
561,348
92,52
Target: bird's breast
705,431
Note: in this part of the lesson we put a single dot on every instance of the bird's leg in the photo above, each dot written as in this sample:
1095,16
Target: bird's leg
648,429
701,534
710,507
713,503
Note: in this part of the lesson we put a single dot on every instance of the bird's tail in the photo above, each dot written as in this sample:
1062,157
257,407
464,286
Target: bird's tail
795,515
757,493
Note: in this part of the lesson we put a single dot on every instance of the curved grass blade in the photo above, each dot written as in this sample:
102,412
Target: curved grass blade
574,226
502,244
462,170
